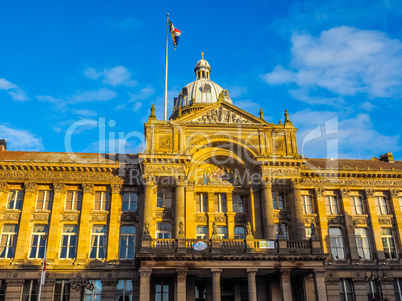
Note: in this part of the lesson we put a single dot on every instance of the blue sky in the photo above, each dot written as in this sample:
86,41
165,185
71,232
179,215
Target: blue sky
334,65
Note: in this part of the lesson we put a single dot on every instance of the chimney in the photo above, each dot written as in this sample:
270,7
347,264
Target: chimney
3,145
388,157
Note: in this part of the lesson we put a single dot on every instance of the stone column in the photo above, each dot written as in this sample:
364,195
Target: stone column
180,216
181,275
372,210
320,288
109,289
24,231
230,215
148,203
394,199
322,219
268,218
216,284
84,234
298,212
252,287
13,289
286,287
114,223
309,287
256,217
3,196
344,194
54,237
145,284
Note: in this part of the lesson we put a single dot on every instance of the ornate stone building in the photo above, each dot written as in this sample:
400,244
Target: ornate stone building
219,206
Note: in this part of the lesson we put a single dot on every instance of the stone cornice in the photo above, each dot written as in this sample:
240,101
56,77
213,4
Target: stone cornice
351,182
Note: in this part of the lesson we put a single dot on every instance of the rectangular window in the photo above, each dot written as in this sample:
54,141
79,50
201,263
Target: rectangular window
398,289
38,241
373,290
363,243
331,204
124,290
96,294
337,245
30,290
162,291
98,242
163,231
220,202
239,233
127,242
61,290
346,290
101,201
8,241
15,199
73,200
356,203
202,232
282,227
278,200
3,285
202,202
307,204
308,232
164,198
381,205
222,232
238,203
68,242
388,243
44,200
130,200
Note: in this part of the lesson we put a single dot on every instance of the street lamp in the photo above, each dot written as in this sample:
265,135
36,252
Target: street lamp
80,284
375,277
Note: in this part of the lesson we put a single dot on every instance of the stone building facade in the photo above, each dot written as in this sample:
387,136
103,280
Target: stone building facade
219,206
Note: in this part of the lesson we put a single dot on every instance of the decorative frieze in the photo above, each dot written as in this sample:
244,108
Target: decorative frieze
350,182
69,217
15,283
166,168
40,216
280,172
164,214
220,219
385,220
336,220
359,220
55,176
129,217
99,217
200,219
11,216
309,220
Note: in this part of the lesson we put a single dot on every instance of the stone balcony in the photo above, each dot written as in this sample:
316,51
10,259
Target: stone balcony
231,247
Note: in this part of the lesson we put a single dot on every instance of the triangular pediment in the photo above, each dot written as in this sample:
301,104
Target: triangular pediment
222,113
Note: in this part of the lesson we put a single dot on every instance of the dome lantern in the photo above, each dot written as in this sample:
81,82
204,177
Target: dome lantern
202,68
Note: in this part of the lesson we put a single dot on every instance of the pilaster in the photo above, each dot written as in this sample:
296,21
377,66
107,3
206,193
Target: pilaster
286,287
298,212
85,228
252,287
320,288
145,284
181,275
375,223
114,223
216,284
24,231
268,218
322,217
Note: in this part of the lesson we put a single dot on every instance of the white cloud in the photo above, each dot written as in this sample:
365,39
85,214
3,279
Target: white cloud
321,134
120,107
116,76
6,85
20,140
18,95
143,94
115,146
137,106
84,112
90,96
248,105
236,91
344,61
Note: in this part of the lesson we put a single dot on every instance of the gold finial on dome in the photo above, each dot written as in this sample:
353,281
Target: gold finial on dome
202,55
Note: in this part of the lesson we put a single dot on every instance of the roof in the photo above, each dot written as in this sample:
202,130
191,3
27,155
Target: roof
353,164
59,157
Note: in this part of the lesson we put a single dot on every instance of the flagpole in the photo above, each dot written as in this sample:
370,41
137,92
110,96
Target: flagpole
166,64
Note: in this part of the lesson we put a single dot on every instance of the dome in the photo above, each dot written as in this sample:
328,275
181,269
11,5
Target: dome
202,90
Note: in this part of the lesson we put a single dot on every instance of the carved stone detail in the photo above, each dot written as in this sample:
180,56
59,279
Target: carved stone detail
285,272
59,187
336,220
319,191
3,187
351,182
99,218
165,141
167,168
344,193
252,272
267,172
206,88
109,282
88,188
216,271
30,186
220,219
129,217
241,218
385,220
369,193
181,272
221,115
15,283
393,193
309,220
309,277
115,188
11,216
332,281
359,220
200,219
70,217
52,176
164,214
40,216
145,272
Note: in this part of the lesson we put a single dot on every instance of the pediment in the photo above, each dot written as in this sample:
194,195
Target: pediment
222,114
